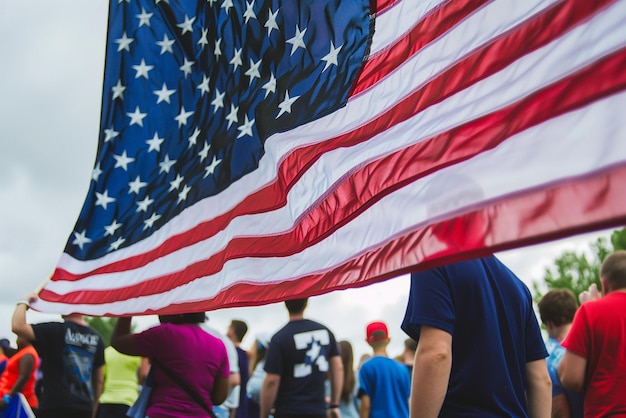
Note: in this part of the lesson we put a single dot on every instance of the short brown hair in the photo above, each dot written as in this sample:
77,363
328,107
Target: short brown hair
558,306
613,270
410,344
240,328
295,306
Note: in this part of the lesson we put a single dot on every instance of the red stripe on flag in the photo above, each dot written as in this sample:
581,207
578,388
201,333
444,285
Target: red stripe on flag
594,82
495,56
432,26
557,213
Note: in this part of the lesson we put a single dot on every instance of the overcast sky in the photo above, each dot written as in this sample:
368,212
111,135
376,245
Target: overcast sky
52,58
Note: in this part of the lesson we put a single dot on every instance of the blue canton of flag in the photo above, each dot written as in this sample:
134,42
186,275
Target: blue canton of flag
191,92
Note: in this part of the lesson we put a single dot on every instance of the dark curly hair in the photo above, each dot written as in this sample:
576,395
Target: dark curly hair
186,318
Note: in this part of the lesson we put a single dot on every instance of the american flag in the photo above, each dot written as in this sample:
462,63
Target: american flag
253,151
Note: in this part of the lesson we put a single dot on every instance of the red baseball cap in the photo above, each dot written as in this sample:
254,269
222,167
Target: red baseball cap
377,331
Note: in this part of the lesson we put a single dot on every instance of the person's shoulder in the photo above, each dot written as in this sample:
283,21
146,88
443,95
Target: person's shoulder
600,308
285,333
307,325
48,329
313,324
617,297
49,325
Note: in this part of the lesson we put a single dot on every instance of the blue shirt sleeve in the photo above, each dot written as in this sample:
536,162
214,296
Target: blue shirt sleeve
430,303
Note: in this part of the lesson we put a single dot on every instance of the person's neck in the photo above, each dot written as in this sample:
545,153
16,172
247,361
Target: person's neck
296,316
381,351
561,332
77,319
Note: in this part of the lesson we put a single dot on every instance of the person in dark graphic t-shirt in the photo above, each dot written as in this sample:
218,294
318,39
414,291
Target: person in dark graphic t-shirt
299,356
72,356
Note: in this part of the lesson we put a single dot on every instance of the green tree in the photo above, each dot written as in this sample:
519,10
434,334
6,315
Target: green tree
578,270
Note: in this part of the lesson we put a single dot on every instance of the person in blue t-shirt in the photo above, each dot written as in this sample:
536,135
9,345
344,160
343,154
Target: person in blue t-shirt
384,383
480,351
556,310
298,359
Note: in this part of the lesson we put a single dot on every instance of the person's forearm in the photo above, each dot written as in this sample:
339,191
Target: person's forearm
560,406
121,337
539,390
431,374
19,326
336,383
121,328
268,396
364,408
539,402
19,385
98,384
19,317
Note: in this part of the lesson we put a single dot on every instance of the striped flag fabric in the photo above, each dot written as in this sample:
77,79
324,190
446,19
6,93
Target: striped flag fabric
255,151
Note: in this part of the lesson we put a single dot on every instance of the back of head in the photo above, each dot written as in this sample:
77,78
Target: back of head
186,318
410,345
558,306
5,346
74,317
377,334
240,328
613,271
296,306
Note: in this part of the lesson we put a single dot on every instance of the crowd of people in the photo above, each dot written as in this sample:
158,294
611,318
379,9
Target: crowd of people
475,348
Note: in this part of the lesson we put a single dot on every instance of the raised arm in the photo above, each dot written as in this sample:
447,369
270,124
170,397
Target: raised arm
97,381
336,383
269,390
122,338
19,326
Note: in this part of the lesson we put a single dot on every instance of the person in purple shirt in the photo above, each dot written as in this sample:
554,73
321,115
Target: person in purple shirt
179,347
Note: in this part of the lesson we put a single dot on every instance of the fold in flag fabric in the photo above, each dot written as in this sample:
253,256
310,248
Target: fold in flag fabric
255,151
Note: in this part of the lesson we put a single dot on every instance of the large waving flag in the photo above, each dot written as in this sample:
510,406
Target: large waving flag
252,151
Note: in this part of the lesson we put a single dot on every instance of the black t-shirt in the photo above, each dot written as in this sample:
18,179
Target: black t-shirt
300,353
69,353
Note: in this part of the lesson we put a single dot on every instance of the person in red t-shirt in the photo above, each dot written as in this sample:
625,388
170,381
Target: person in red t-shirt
595,360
